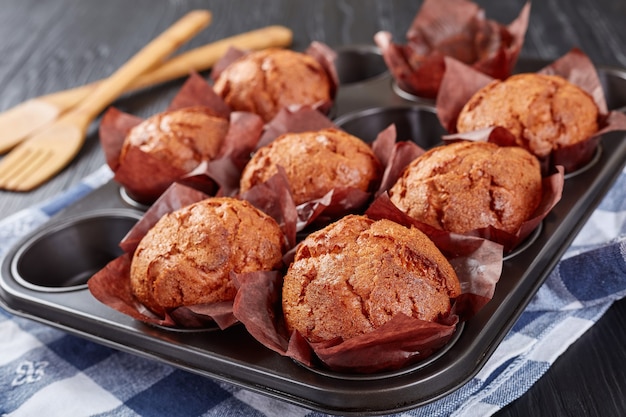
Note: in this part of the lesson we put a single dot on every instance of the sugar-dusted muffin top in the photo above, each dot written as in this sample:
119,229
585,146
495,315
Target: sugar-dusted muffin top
264,82
356,274
466,185
187,256
544,112
315,163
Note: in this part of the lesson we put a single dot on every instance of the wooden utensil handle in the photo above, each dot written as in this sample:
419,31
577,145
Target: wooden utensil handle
150,55
206,56
197,59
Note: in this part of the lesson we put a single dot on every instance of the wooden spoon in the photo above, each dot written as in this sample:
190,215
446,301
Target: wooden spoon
45,153
23,119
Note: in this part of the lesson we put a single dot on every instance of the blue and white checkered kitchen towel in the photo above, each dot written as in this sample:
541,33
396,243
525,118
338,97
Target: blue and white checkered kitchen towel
46,372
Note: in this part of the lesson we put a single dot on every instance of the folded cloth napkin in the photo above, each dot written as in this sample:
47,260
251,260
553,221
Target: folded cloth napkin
45,371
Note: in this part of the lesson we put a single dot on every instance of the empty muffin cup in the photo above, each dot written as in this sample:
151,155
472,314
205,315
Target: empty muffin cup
359,63
128,199
410,96
413,123
64,255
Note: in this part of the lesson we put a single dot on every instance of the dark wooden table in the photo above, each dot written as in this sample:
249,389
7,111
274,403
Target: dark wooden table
53,45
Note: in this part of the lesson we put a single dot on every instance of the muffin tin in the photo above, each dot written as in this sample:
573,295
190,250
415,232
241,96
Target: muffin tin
43,277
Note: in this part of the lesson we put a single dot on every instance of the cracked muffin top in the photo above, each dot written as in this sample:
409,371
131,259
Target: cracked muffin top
264,82
465,186
543,112
180,138
356,274
315,163
187,256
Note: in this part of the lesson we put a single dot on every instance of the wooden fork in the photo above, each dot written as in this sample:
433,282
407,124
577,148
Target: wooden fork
45,153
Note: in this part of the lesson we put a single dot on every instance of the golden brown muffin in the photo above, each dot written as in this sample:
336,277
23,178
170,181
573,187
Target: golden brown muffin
315,163
186,257
180,138
544,112
356,274
470,185
264,82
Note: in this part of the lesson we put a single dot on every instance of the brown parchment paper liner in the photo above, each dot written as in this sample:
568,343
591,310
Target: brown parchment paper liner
400,342
456,28
145,177
322,53
461,82
111,285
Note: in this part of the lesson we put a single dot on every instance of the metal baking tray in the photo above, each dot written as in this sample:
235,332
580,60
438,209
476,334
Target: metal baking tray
43,276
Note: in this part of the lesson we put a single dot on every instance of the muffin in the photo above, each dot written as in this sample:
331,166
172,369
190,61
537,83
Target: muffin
543,112
356,274
264,82
315,163
187,256
167,146
180,138
467,185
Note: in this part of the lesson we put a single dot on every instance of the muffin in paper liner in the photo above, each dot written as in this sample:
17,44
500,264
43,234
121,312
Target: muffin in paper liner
398,155
400,342
144,176
111,285
267,100
461,82
454,28
336,202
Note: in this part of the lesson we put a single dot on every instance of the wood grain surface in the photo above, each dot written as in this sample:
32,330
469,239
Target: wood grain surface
46,46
